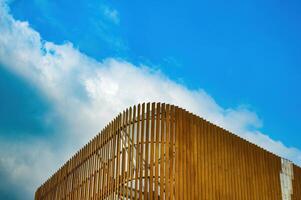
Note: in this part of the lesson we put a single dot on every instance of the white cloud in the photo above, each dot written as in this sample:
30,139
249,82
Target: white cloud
86,94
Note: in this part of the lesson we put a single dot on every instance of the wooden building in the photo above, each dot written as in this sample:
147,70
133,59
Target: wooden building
161,151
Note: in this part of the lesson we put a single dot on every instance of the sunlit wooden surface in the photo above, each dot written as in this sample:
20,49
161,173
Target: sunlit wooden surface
160,151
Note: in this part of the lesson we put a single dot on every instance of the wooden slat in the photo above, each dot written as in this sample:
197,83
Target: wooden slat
127,160
146,155
171,151
110,160
133,161
152,153
167,146
141,150
195,158
123,166
138,147
177,155
162,130
181,153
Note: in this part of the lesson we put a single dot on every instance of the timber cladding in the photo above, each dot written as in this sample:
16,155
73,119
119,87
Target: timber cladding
161,151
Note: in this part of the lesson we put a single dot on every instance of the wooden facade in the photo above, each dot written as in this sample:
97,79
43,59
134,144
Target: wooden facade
161,151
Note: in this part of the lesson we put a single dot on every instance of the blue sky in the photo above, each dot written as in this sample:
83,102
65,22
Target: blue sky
229,61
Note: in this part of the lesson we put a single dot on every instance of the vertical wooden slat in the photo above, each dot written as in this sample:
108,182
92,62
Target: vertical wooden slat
123,166
157,153
138,149
243,169
162,130
80,175
99,167
205,162
83,173
94,171
236,169
106,163
195,158
181,155
118,155
110,159
90,170
152,153
177,155
171,151
217,164
146,166
167,146
141,179
123,172
184,154
102,174
127,146
77,192
134,162
199,140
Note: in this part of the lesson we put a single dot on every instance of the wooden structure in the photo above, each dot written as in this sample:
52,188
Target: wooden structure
160,151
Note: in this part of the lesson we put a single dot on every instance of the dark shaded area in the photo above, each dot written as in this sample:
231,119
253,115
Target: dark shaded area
8,189
22,109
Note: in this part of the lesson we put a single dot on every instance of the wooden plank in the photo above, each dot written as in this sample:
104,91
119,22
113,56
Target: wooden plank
171,153
146,166
167,146
189,154
141,150
90,170
105,164
102,166
157,150
99,166
114,153
152,153
186,156
199,159
162,130
134,162
249,193
181,159
224,162
179,155
216,164
123,166
110,157
138,147
77,192
195,157
208,162
94,175
123,172
92,166
126,140
118,153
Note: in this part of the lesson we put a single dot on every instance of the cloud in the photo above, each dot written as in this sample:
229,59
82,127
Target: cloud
86,94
